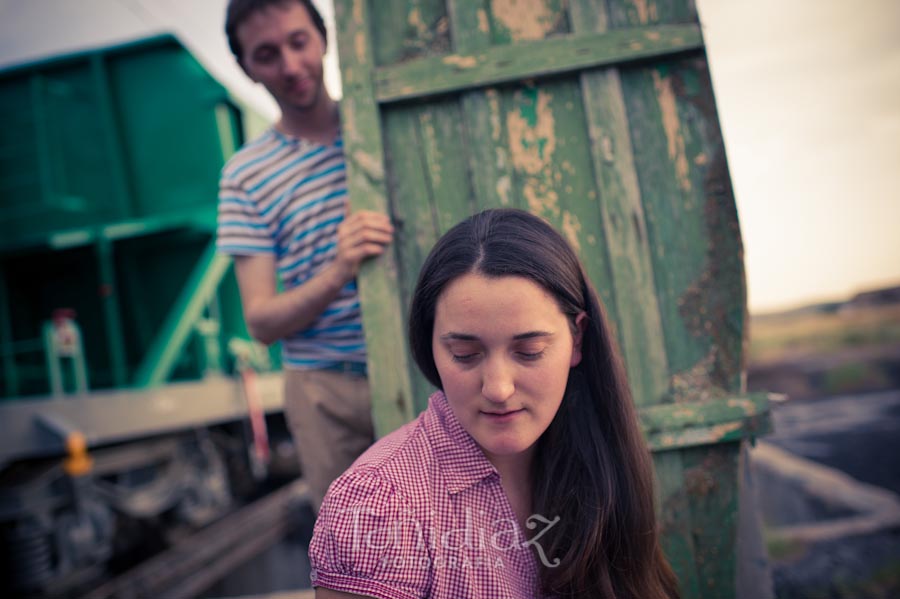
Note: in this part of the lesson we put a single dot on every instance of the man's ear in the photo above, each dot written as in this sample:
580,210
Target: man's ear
578,336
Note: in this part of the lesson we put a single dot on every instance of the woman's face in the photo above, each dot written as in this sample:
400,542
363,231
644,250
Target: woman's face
503,350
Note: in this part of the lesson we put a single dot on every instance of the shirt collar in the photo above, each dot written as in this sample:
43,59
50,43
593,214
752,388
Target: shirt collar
291,139
461,459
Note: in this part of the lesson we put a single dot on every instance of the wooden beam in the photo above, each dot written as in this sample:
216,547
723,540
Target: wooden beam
501,64
392,402
671,426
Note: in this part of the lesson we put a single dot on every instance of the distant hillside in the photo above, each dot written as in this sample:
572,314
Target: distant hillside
879,297
828,348
874,297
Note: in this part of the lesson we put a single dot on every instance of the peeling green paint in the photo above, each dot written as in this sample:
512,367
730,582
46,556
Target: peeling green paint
430,73
625,160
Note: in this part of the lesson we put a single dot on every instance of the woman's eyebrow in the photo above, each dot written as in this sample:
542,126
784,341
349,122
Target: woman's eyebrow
458,337
451,336
532,335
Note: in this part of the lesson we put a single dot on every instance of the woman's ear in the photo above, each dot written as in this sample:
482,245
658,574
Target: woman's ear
580,325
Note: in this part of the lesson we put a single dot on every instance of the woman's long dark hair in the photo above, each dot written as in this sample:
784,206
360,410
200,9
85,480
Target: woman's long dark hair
592,467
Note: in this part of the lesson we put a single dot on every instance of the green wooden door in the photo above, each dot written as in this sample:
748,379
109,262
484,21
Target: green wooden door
600,117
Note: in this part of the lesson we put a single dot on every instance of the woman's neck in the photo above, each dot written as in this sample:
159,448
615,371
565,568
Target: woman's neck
515,478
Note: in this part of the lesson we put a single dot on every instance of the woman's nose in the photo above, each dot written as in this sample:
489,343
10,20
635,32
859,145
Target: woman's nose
497,384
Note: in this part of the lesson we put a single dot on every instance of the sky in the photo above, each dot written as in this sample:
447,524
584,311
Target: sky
808,94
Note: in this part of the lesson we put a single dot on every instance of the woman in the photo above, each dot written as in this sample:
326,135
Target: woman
527,475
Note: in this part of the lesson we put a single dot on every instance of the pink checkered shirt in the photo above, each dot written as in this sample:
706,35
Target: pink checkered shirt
422,514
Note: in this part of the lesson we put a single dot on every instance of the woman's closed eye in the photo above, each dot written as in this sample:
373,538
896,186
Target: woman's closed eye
464,351
530,350
469,355
464,358
530,356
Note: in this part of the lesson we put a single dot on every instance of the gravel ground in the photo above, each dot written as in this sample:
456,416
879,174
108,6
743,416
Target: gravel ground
864,567
859,435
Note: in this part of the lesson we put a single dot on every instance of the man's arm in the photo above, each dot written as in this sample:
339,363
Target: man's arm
271,315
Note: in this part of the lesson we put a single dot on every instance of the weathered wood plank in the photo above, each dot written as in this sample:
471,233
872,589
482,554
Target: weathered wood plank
501,64
469,25
378,279
490,170
410,194
411,209
625,13
716,301
520,20
624,232
401,32
710,479
443,149
623,225
580,217
665,128
689,208
675,524
389,31
404,30
531,138
691,224
553,178
559,187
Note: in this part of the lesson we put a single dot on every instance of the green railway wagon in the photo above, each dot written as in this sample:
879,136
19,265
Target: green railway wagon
119,324
599,116
109,166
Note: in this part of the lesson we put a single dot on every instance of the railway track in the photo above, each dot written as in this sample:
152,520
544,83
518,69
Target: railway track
195,563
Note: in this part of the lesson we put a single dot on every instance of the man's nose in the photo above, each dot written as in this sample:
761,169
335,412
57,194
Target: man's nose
292,62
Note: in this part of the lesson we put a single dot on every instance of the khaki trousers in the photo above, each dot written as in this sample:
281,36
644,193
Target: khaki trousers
330,417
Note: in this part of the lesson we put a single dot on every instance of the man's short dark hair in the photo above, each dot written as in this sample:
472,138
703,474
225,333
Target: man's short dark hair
240,10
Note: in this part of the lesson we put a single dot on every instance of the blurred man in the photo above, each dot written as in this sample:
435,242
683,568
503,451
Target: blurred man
283,212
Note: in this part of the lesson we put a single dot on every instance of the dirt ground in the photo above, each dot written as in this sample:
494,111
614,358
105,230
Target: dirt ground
860,436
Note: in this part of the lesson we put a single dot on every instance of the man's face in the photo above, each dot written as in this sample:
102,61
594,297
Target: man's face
283,50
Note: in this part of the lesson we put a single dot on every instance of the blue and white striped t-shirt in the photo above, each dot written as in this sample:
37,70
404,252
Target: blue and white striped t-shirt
286,196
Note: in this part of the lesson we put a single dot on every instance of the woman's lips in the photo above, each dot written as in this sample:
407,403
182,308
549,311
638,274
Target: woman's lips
500,417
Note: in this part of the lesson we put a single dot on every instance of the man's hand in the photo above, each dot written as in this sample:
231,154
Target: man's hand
363,234
271,315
